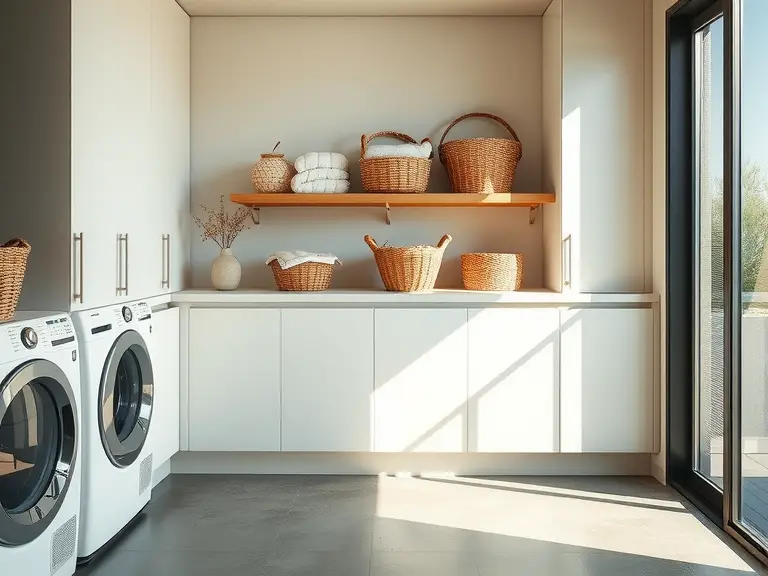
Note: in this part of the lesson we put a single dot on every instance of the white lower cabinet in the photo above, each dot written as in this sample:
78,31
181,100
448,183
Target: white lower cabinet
234,380
327,380
164,430
513,370
606,394
420,401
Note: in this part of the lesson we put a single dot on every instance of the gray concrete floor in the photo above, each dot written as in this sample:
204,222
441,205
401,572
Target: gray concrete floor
443,526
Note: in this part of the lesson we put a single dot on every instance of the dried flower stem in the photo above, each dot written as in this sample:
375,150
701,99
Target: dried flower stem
221,226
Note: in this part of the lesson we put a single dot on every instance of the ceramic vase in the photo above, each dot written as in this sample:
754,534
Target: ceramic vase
226,270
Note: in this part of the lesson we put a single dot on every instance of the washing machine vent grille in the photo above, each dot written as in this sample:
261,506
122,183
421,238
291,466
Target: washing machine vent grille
63,544
145,474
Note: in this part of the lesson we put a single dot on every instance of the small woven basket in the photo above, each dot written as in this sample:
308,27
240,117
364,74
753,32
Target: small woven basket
481,165
13,264
395,174
408,268
306,277
489,271
272,174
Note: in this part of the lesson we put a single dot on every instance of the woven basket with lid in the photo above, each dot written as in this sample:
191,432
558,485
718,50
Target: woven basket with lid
394,174
408,268
272,174
481,165
13,265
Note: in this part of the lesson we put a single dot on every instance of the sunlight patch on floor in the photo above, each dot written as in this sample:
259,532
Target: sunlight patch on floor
497,509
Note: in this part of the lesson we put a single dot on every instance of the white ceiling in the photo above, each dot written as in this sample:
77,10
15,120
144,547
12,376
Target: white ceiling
364,7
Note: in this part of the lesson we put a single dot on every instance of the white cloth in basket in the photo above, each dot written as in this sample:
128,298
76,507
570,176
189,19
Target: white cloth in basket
321,186
319,174
287,259
312,160
399,150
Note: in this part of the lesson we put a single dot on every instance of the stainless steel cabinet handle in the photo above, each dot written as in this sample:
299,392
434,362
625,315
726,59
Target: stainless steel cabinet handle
122,264
567,262
77,295
166,281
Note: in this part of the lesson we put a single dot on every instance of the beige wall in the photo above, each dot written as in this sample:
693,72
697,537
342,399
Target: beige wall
319,83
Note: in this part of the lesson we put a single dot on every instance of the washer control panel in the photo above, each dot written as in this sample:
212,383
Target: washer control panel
37,335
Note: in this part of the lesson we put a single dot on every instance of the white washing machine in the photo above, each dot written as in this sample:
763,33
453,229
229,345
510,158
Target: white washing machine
39,445
117,400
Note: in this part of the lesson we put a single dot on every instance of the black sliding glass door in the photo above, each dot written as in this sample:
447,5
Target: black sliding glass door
717,261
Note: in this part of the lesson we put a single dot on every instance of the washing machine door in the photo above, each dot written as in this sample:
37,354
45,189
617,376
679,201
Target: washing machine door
38,445
125,399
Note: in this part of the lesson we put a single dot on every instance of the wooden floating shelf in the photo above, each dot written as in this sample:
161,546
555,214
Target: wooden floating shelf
513,200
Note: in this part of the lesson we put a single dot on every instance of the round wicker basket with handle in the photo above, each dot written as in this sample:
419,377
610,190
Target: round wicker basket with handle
13,265
481,165
306,277
408,268
492,271
394,174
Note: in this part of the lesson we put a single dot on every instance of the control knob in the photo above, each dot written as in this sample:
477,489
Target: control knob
29,338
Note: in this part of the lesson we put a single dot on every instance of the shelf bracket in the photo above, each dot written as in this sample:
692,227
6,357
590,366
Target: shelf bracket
386,207
255,215
532,213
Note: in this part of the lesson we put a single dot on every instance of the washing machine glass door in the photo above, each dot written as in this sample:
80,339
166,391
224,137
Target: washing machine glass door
38,444
125,399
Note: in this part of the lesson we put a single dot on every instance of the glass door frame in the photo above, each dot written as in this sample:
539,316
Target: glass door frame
684,19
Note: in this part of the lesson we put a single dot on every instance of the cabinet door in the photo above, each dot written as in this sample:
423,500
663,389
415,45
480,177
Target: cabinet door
327,380
513,380
420,399
234,380
96,163
139,196
164,430
170,136
604,234
606,375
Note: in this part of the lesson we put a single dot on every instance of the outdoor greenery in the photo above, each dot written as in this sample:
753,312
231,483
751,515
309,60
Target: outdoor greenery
754,232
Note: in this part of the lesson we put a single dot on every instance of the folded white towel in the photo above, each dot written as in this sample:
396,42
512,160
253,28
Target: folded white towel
423,150
319,174
317,186
321,160
289,259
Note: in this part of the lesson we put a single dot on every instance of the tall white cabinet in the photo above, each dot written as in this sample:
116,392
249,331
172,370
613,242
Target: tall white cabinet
596,94
100,180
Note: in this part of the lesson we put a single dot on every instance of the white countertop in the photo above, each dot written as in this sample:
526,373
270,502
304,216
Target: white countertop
465,297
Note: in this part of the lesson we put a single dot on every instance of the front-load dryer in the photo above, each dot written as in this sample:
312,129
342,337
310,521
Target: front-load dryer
117,392
39,445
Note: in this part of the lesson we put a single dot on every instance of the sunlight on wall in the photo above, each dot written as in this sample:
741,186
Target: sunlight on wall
571,213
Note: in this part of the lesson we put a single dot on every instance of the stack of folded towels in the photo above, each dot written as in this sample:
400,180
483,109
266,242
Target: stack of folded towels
423,150
318,172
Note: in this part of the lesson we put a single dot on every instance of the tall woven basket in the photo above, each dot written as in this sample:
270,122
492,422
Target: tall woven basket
490,271
408,268
481,165
395,174
13,264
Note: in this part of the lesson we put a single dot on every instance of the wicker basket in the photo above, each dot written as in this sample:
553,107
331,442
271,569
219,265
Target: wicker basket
13,264
400,175
272,174
410,268
489,271
481,165
307,277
